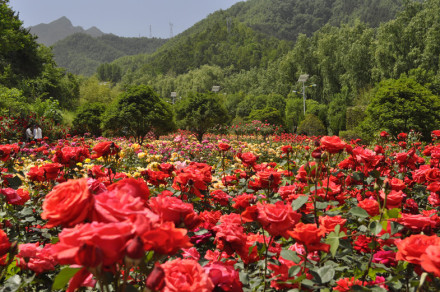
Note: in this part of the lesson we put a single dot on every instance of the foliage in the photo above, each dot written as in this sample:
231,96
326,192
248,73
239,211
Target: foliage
336,115
91,91
137,112
49,109
267,115
19,58
109,72
13,102
311,126
83,54
350,135
354,116
199,112
89,118
402,105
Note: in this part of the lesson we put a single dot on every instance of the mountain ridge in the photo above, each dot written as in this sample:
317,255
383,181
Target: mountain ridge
50,33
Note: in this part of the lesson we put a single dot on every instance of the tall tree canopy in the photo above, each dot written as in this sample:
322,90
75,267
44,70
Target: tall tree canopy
137,112
200,111
402,105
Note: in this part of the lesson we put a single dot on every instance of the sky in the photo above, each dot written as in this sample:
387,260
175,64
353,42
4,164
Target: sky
128,18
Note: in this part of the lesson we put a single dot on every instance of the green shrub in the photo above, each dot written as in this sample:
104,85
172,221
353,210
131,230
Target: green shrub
312,126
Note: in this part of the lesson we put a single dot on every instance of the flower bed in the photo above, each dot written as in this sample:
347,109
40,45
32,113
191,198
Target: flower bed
288,213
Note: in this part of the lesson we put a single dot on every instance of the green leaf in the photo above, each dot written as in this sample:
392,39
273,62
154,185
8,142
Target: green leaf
294,270
375,227
359,212
298,203
290,255
393,213
326,273
333,240
63,277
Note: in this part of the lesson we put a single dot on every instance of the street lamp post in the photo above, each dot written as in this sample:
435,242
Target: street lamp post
303,78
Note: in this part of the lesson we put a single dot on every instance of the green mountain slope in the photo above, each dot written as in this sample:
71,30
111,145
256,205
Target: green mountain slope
82,54
286,19
252,34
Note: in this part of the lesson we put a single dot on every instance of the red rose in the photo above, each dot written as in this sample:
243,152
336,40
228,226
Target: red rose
432,175
330,222
36,174
393,199
332,144
309,235
7,150
11,195
136,188
170,209
166,239
345,284
371,206
430,260
51,170
4,243
417,223
277,218
412,248
397,184
111,238
286,149
68,203
230,235
220,197
224,146
185,276
156,279
224,276
248,158
119,206
242,201
36,258
105,149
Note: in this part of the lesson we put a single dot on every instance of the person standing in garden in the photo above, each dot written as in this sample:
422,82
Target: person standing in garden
38,135
29,134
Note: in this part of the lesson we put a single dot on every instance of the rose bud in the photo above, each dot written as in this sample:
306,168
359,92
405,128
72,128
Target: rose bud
156,279
134,251
317,153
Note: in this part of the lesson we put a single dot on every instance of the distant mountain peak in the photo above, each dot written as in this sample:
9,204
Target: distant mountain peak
50,33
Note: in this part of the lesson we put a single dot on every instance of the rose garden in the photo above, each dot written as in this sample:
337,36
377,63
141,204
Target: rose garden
283,213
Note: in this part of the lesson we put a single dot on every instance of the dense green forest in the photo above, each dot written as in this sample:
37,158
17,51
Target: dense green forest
359,57
81,53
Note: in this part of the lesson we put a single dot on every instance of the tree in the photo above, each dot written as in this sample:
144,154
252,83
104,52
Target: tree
267,115
18,49
109,72
88,118
137,112
402,105
199,112
311,126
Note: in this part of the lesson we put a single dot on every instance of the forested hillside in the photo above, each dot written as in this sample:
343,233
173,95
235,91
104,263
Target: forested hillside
81,53
286,19
252,34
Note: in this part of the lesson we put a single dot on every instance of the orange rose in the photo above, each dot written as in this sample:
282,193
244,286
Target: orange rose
68,204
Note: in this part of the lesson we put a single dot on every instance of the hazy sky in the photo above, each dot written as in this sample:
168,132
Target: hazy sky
130,18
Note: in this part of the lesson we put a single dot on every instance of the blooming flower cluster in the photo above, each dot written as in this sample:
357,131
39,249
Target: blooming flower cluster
306,213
